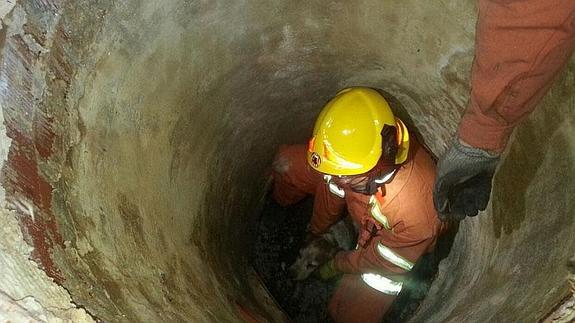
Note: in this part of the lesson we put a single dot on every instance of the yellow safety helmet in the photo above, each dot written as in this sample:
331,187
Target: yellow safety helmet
347,134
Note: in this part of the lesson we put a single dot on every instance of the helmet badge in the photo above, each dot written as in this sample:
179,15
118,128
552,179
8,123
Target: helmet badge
315,160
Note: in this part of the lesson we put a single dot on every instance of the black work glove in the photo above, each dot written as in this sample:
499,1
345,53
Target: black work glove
463,183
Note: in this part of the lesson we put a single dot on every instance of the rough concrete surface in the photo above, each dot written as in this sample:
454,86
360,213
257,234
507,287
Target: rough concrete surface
26,293
138,133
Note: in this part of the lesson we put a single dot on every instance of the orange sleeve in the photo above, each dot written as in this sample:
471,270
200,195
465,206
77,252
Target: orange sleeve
520,47
327,210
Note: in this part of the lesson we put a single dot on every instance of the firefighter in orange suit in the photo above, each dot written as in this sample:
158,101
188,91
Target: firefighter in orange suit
362,157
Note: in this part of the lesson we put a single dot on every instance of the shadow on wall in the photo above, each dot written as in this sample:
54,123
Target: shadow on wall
400,111
509,215
531,176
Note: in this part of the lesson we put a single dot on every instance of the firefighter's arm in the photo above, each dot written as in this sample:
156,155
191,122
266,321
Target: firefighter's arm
520,47
327,210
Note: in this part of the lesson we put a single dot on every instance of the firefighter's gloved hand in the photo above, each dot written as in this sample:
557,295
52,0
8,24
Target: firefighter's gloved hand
328,271
463,183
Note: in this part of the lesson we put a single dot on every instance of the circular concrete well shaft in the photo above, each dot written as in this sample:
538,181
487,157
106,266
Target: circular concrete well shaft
137,133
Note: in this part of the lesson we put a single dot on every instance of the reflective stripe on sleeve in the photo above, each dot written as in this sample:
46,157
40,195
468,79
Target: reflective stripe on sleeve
388,254
377,214
333,188
382,284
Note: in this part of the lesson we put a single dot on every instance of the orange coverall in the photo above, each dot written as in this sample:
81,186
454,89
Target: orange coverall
520,47
409,229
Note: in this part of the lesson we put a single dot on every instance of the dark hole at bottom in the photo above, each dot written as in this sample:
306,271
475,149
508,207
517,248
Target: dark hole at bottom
279,237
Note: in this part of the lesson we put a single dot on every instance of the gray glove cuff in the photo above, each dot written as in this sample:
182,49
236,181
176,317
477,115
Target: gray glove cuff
468,160
463,183
473,151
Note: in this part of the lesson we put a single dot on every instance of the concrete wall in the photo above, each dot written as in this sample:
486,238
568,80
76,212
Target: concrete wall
138,134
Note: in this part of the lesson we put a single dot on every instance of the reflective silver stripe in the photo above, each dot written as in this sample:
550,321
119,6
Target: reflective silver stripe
394,258
382,284
334,189
377,214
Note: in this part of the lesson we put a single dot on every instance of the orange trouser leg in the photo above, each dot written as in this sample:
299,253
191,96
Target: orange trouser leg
355,302
294,180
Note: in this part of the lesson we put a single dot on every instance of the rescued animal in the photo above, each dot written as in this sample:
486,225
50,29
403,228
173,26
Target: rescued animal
341,236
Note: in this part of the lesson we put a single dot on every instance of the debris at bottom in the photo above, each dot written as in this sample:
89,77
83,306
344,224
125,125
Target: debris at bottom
280,235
